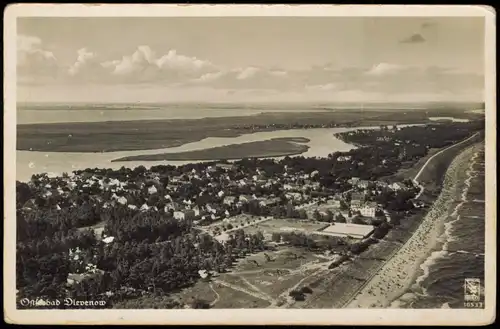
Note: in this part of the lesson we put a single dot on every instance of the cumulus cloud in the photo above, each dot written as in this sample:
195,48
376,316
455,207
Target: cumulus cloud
83,59
145,57
144,69
414,38
33,59
145,65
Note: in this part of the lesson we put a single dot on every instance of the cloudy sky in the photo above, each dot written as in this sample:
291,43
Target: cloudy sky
327,59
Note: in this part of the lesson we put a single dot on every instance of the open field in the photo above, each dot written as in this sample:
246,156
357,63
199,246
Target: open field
286,225
155,134
261,149
256,282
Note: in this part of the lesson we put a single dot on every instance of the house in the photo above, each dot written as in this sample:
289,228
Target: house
269,202
122,200
75,278
229,200
353,180
363,184
211,169
382,184
179,215
397,186
78,277
368,209
245,198
152,189
343,158
108,239
294,196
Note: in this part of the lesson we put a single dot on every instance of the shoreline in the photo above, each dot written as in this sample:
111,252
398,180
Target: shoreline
270,148
440,248
401,271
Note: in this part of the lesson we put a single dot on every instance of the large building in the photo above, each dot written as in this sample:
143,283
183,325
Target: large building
368,209
356,231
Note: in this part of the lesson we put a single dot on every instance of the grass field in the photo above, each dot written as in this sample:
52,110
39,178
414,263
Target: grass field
261,149
258,282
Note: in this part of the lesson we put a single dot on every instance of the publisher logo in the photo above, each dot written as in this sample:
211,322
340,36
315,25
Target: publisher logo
472,290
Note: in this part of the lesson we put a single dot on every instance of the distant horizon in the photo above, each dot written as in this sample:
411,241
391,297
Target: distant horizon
479,103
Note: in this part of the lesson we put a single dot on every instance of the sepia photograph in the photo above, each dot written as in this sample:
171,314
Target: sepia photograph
253,164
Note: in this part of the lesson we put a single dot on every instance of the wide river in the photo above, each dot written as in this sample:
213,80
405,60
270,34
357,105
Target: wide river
321,143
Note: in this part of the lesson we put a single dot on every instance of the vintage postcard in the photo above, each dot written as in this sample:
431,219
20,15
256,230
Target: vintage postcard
249,164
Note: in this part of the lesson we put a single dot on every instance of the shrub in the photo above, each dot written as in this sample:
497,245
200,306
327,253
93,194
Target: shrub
200,304
306,290
297,295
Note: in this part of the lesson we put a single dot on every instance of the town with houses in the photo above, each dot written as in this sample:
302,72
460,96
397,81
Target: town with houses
223,206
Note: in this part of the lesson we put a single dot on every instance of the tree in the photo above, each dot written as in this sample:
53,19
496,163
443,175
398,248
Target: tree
329,216
276,237
340,218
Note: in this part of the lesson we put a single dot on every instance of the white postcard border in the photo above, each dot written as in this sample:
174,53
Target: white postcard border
245,316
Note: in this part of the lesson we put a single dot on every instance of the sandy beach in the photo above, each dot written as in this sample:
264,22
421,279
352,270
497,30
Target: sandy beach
400,272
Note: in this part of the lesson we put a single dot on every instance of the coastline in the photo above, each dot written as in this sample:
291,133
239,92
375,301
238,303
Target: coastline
401,271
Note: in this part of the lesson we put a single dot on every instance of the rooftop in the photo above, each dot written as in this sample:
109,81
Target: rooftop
345,229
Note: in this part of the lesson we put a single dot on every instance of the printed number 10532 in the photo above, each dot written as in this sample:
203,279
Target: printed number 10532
473,304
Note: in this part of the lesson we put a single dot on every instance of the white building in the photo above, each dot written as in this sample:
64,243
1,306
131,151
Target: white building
367,210
343,158
122,200
152,189
179,215
397,186
363,184
356,231
229,200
